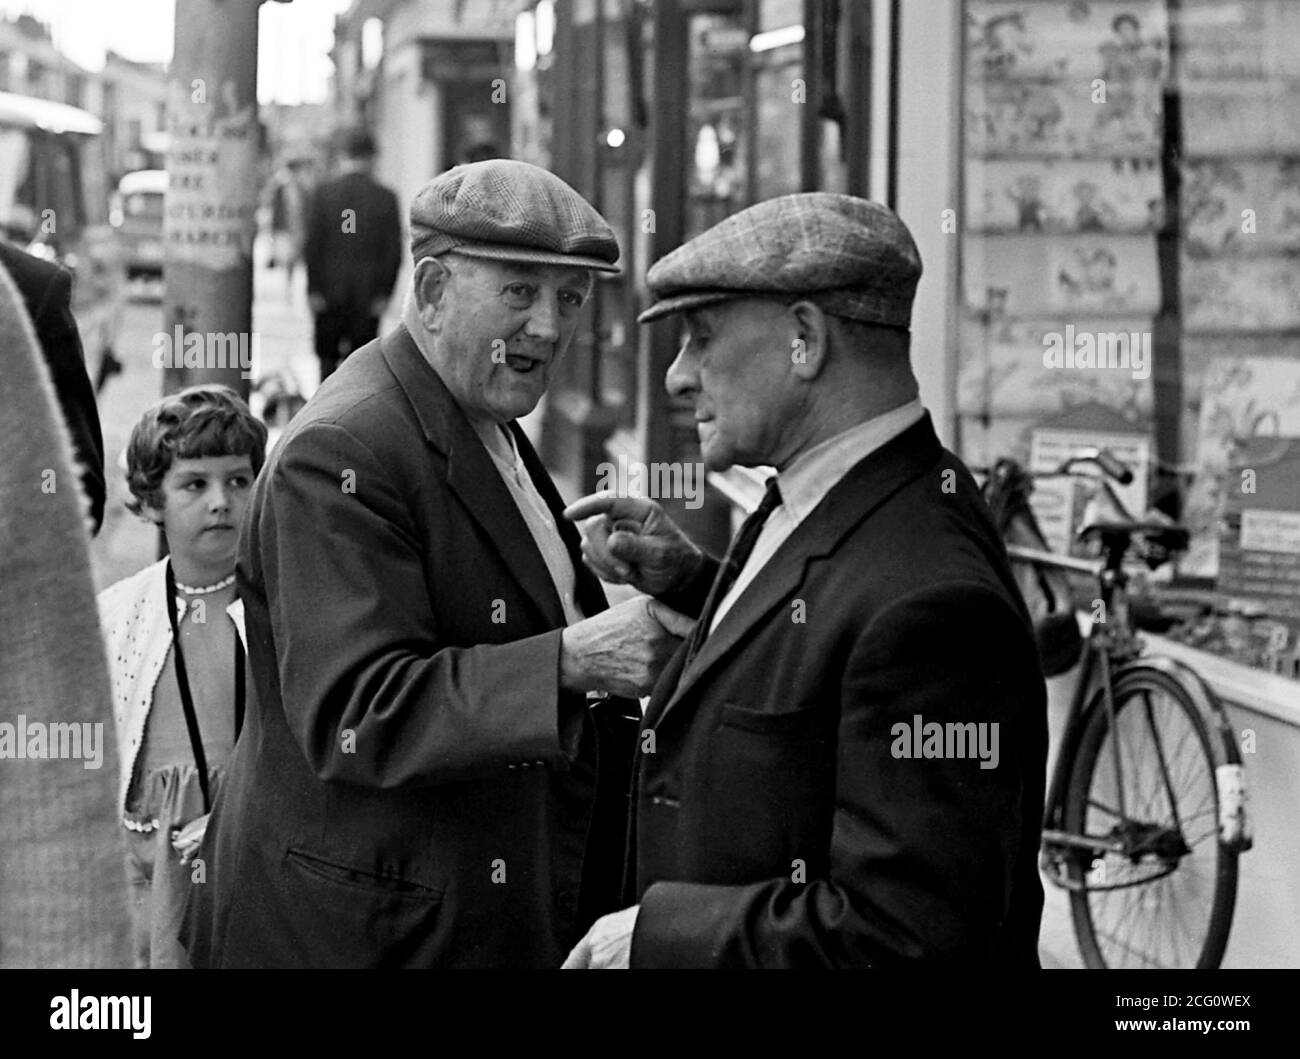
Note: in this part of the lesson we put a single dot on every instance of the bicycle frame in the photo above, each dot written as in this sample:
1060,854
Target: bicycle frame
1109,648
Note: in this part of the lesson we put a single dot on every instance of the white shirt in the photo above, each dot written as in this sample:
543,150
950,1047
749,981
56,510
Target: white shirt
805,483
500,443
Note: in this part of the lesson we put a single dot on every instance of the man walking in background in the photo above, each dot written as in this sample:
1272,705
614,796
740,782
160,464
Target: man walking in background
353,250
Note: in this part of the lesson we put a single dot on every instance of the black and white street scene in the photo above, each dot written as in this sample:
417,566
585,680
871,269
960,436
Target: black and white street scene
628,484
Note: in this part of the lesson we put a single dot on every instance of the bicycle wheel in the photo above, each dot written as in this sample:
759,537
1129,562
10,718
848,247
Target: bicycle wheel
1163,894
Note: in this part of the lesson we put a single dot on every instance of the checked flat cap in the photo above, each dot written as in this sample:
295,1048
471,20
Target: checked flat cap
852,257
510,211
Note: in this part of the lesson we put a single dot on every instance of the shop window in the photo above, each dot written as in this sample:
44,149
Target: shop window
716,152
1130,262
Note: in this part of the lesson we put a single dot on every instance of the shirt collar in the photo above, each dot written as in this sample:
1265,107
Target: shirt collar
813,474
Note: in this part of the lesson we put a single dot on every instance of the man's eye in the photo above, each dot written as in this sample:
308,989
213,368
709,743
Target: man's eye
572,298
241,481
520,292
197,485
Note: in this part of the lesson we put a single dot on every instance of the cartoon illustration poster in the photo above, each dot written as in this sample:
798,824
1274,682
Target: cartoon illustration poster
1022,275
1064,40
1241,206
1002,369
1096,195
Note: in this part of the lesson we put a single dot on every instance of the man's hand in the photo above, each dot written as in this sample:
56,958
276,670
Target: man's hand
623,649
629,540
607,945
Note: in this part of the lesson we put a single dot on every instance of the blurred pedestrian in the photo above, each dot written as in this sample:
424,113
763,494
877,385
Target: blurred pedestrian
174,635
62,893
353,248
425,780
46,290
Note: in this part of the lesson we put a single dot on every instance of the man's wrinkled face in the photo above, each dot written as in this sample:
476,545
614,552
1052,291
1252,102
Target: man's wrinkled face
735,366
499,327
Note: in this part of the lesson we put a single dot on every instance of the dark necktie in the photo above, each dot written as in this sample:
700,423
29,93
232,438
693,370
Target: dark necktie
737,555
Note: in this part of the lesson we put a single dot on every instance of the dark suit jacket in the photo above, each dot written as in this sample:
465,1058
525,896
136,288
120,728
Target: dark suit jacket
47,292
411,787
352,268
775,827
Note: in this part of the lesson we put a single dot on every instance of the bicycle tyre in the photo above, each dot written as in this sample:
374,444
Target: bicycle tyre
1208,864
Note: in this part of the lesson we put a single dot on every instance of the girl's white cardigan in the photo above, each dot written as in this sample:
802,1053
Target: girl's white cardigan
137,636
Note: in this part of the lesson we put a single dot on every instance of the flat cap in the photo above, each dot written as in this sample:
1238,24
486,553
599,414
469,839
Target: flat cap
510,211
852,257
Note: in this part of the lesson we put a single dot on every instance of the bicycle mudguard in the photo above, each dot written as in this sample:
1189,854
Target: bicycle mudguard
1229,772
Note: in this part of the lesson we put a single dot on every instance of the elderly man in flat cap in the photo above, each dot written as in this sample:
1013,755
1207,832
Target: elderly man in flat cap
436,758
844,765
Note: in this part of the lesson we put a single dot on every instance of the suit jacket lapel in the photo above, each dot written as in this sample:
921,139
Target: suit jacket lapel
471,473
868,485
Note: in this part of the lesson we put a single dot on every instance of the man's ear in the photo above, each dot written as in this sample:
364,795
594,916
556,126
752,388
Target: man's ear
810,343
151,514
430,282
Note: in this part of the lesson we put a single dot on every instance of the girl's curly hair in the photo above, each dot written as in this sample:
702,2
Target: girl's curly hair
205,420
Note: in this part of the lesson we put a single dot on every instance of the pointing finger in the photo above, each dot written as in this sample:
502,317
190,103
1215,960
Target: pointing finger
635,508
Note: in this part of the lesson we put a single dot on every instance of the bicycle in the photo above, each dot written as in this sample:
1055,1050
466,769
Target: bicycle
1145,814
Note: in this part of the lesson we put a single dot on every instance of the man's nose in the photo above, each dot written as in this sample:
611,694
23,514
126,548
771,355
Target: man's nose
544,319
219,497
681,379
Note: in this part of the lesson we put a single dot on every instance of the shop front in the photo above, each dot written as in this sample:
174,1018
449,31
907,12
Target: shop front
1106,197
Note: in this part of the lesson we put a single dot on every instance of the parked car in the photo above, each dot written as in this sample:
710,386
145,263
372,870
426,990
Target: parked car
137,216
53,203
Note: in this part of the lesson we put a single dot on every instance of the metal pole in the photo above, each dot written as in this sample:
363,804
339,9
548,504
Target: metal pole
211,196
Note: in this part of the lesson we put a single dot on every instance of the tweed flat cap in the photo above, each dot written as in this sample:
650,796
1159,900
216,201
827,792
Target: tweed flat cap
852,257
510,211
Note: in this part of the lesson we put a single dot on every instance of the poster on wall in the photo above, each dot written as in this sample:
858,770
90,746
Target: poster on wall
1047,119
1241,293
1006,366
1243,398
1063,40
1241,206
1021,275
1064,505
1062,78
1078,195
1238,41
1259,544
1233,118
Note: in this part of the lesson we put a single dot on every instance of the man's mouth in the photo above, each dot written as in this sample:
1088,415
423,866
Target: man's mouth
523,365
219,526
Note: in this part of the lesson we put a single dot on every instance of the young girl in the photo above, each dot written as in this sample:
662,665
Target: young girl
174,638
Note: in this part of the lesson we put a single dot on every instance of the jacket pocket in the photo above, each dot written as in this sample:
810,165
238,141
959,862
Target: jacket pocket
763,722
341,916
358,879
